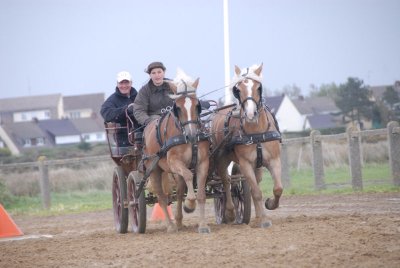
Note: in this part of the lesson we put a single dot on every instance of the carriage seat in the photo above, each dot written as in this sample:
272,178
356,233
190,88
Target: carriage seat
118,141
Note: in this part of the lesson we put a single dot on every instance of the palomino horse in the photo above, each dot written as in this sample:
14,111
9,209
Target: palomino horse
251,138
178,141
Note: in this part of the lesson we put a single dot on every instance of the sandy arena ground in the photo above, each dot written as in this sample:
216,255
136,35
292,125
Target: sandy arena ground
358,230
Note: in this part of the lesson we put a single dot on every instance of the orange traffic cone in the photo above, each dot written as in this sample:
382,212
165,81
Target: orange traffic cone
7,226
158,214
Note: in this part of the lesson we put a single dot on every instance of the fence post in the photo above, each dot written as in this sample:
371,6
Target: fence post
394,150
44,182
317,160
353,138
285,165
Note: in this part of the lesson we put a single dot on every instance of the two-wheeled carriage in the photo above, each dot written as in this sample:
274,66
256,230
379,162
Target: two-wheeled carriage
129,191
179,144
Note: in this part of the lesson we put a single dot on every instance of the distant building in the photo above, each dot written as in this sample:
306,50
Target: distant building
50,120
303,113
90,129
286,113
25,109
83,106
378,91
318,112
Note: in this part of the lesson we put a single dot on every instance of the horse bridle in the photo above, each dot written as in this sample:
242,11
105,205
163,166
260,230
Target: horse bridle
236,93
181,125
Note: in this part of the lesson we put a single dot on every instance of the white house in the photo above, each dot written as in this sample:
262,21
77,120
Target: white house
91,129
25,109
317,112
286,113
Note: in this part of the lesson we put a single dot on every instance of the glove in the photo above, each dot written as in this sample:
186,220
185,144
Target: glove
129,109
205,105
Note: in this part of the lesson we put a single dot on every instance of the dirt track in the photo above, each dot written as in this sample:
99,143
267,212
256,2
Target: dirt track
359,230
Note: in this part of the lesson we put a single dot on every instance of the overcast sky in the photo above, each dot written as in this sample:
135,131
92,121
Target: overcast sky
77,46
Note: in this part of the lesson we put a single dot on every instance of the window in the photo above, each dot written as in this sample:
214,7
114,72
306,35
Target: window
47,115
40,141
86,137
27,143
74,115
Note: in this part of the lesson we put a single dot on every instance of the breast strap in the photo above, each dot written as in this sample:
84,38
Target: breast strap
256,138
178,140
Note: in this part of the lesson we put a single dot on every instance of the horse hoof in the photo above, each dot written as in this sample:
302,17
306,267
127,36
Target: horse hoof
204,230
266,224
230,215
172,229
188,210
189,206
180,226
271,204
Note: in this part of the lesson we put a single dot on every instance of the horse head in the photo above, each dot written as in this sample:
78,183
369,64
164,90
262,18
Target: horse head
186,107
247,89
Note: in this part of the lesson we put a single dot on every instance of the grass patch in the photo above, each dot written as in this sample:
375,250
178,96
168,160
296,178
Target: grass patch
62,203
376,178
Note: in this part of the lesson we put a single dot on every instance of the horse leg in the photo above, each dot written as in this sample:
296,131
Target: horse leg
201,173
258,173
156,177
226,181
275,169
253,177
177,167
180,191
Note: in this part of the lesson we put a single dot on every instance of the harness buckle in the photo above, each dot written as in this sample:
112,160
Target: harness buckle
166,109
250,141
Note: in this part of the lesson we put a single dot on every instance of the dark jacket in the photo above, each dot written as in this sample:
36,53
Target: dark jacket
113,109
151,100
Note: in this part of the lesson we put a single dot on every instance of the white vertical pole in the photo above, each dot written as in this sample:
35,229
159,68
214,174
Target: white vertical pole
228,95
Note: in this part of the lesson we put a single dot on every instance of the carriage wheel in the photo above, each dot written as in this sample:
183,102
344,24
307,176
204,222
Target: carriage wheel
137,207
241,197
119,200
219,204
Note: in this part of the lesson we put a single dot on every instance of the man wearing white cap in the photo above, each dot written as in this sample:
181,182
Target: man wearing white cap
113,109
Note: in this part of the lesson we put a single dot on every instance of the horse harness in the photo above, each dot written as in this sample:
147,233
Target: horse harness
171,142
243,138
179,139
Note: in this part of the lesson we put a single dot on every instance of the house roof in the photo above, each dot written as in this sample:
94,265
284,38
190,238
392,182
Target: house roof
274,102
93,101
63,127
321,121
315,105
20,131
24,130
88,125
377,91
29,103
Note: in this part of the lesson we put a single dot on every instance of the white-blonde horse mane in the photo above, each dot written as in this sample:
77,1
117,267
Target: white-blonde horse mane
184,84
246,73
